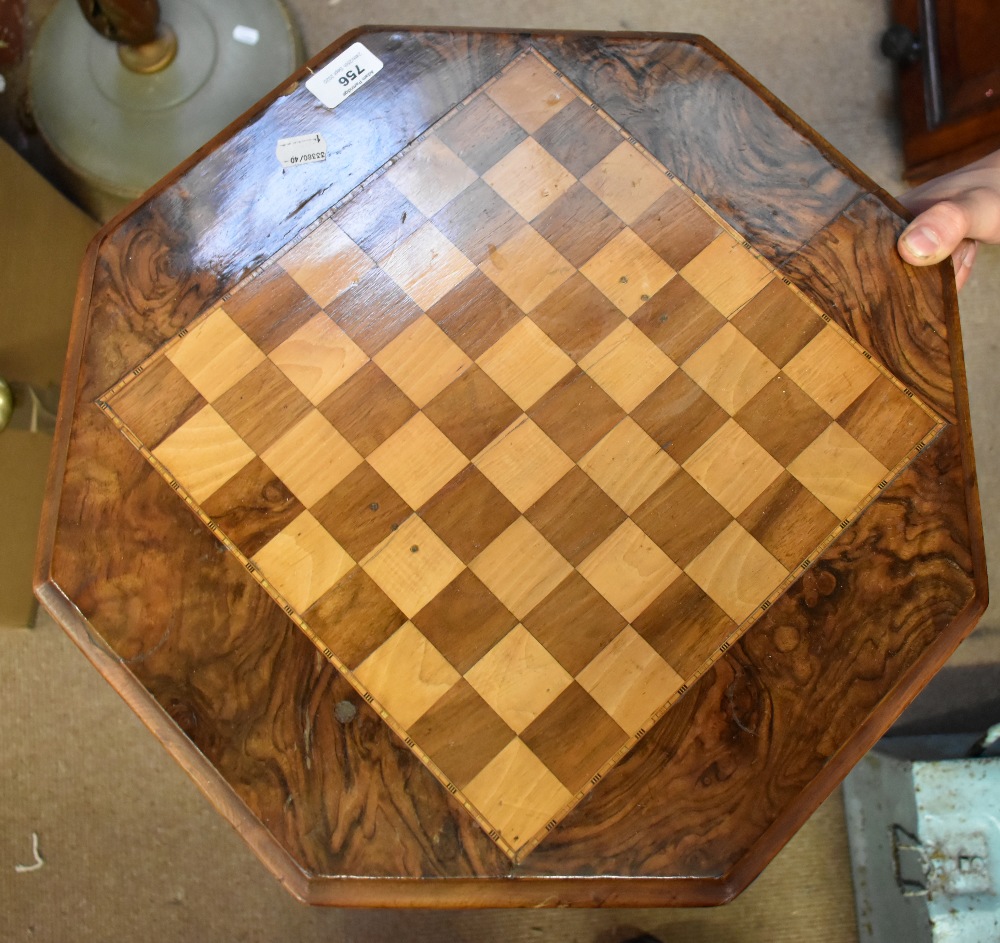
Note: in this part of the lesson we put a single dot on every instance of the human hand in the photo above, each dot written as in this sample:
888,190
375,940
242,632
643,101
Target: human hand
955,212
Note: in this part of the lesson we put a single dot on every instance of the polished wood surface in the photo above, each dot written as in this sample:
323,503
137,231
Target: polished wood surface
454,528
329,797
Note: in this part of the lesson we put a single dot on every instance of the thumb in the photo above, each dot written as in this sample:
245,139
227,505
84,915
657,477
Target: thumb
939,230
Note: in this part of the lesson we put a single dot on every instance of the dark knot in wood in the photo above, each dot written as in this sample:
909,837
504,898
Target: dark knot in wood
153,280
817,585
184,715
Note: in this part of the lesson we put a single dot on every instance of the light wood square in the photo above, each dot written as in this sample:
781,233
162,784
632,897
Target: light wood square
412,565
215,354
518,678
530,94
417,460
520,568
733,468
627,272
839,470
427,266
628,465
303,561
525,363
523,463
431,175
832,371
737,572
730,369
629,570
422,361
529,178
526,268
326,263
318,358
517,794
627,182
627,365
204,453
407,675
311,458
726,274
630,680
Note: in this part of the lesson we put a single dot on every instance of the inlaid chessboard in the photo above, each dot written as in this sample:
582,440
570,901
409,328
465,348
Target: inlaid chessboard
523,437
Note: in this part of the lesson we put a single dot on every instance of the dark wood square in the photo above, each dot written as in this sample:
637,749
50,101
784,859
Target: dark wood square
262,406
373,311
478,220
572,735
472,411
481,133
684,625
682,518
578,137
475,314
461,733
886,421
577,316
469,513
676,228
575,515
367,408
783,419
778,321
464,621
678,319
680,416
252,507
157,404
361,511
574,623
578,224
354,617
270,308
379,218
576,414
788,520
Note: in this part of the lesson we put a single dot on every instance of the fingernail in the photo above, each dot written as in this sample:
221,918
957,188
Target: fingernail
922,242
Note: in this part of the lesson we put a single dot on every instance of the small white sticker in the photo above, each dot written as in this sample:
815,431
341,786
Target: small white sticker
304,149
344,76
246,35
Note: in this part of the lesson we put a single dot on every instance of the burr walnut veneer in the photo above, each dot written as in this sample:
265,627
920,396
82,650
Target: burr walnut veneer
542,499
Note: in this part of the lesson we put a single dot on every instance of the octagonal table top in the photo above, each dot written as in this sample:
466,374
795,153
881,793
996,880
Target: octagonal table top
525,471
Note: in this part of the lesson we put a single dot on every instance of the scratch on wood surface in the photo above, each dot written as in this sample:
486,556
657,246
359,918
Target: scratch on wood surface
142,656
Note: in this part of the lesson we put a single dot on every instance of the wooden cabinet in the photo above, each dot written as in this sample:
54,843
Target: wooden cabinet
949,82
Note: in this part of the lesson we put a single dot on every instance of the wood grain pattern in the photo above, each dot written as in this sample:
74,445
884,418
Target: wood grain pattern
652,87
189,240
778,712
902,321
245,703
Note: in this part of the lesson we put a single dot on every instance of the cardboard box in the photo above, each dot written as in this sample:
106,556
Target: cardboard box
42,240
